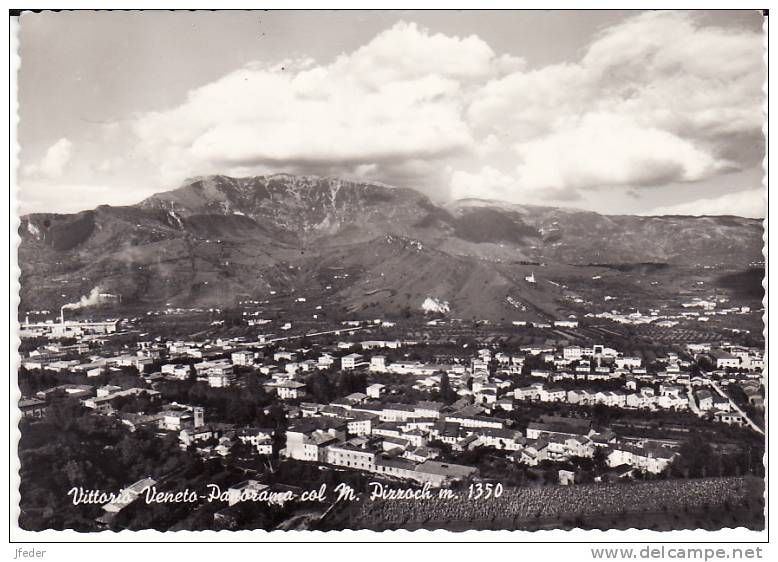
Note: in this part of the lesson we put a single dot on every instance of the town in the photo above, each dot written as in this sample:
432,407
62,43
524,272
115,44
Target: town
434,402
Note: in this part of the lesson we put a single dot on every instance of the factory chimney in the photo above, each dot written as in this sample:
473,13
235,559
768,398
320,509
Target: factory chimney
62,314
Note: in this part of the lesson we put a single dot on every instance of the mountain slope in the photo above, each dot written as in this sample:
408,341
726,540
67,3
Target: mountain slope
585,237
307,207
218,237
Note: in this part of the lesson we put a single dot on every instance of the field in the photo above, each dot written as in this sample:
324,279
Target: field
659,504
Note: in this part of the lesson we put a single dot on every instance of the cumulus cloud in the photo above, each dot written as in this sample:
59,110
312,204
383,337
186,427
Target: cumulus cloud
657,99
487,183
397,99
53,162
39,197
704,82
749,203
654,100
407,52
604,150
492,183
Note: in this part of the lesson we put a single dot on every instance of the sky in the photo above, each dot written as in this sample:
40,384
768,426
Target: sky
619,112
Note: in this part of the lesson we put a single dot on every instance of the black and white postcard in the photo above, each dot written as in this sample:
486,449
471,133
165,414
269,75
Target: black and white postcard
371,271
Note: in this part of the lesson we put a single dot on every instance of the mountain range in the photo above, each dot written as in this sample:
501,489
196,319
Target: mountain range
365,248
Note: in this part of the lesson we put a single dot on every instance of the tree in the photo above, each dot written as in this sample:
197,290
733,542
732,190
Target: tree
320,387
64,413
75,473
239,411
696,459
600,459
447,394
601,415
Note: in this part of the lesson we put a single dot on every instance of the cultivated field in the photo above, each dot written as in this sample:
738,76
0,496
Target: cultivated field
662,504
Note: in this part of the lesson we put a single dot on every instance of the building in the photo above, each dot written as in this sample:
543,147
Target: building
254,435
652,459
284,355
465,419
69,329
326,360
704,400
552,394
572,353
180,372
378,364
531,392
581,396
221,378
288,390
428,410
724,359
555,425
104,400
32,408
176,419
628,362
721,404
439,474
242,358
351,361
391,344
308,439
729,418
755,398
351,455
360,423
221,368
376,390
69,390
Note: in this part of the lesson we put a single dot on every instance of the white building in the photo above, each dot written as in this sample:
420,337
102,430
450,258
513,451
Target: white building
628,362
378,364
351,361
288,390
376,390
180,372
725,360
242,358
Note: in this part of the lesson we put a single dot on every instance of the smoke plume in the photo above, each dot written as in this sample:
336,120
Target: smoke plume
87,300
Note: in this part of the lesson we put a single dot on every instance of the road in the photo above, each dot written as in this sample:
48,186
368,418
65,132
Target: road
300,336
312,334
749,421
692,401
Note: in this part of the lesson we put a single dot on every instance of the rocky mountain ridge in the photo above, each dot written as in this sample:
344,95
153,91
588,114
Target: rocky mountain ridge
217,237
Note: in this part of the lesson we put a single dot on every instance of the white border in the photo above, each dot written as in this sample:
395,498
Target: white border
559,537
